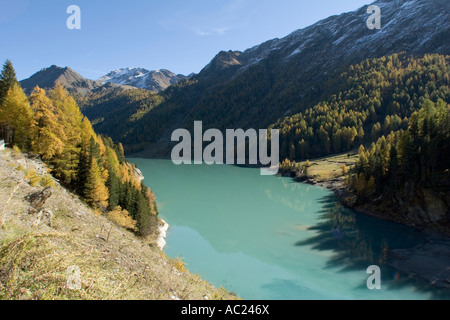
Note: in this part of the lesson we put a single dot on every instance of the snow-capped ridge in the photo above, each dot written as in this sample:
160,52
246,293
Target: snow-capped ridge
156,80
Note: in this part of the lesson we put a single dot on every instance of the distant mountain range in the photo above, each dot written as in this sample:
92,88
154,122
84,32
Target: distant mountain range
281,77
121,79
156,81
77,85
257,87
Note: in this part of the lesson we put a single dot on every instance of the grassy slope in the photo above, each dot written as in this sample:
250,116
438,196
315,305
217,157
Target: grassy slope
327,171
114,263
329,168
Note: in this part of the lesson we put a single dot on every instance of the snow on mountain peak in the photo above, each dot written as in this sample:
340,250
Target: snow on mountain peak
155,81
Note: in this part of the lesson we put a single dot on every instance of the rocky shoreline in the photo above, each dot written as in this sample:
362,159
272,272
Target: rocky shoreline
429,261
162,234
423,210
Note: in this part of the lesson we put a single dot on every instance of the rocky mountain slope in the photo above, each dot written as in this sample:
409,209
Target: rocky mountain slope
281,77
274,77
156,81
278,78
414,26
77,85
53,246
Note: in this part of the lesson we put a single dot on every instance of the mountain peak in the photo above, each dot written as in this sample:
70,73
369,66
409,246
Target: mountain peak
224,63
413,26
47,78
156,80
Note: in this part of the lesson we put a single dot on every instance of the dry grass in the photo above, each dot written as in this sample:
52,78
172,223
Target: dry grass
325,169
32,177
36,260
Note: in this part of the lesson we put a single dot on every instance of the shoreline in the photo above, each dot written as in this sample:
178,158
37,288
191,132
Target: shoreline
376,208
429,261
162,234
414,260
115,263
347,198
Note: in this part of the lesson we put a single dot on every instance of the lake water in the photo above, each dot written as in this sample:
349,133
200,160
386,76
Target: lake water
265,237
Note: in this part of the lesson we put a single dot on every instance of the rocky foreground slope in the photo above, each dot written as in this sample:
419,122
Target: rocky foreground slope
53,246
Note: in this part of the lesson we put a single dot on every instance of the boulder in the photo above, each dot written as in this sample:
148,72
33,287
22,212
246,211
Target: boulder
37,200
435,207
44,216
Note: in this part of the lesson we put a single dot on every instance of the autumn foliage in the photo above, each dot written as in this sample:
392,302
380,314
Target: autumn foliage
50,124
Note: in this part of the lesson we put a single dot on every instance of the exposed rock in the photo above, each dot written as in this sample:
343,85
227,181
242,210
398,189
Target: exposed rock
430,261
309,57
156,81
161,241
138,174
35,157
349,200
38,199
47,78
173,296
416,215
419,208
45,217
435,207
224,62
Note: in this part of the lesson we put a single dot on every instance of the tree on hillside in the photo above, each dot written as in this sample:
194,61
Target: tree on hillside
47,134
113,184
7,79
16,118
146,221
69,116
53,127
9,124
417,156
95,191
85,155
371,99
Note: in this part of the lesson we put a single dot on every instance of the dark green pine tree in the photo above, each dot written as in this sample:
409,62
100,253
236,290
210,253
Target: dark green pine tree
120,152
7,79
94,151
83,168
128,198
113,185
144,217
393,167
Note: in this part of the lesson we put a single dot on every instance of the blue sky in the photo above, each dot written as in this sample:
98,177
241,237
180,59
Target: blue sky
179,35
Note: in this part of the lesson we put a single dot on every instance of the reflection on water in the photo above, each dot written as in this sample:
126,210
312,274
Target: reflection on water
273,238
293,195
359,241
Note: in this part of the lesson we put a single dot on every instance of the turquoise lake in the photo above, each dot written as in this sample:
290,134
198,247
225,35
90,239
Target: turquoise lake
268,238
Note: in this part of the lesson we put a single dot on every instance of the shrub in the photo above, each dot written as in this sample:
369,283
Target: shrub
16,150
33,178
180,265
47,181
122,218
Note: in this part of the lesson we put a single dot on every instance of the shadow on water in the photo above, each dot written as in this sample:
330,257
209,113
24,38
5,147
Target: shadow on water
407,257
282,289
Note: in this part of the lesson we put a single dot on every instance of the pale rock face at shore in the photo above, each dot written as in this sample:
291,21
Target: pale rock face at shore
161,241
138,174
